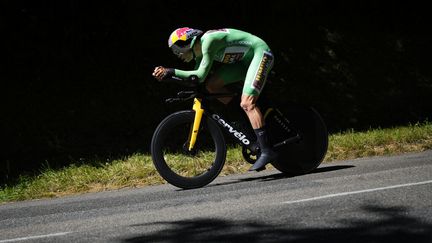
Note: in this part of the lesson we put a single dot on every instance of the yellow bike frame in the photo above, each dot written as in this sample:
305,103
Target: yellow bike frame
196,124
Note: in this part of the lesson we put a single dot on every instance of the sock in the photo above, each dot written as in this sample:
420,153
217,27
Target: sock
261,135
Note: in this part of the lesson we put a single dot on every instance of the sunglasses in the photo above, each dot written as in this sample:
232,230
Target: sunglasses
179,51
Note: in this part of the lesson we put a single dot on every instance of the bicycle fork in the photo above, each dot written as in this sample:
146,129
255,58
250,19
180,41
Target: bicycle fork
193,134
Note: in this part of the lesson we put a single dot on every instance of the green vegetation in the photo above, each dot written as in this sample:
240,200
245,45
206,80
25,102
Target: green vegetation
351,144
138,170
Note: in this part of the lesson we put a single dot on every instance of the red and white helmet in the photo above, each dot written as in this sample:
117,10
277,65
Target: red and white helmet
182,39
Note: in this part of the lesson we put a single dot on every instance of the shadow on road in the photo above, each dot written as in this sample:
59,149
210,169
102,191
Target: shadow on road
384,225
331,168
278,175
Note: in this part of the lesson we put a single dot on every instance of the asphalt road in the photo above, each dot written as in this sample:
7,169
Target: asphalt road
381,199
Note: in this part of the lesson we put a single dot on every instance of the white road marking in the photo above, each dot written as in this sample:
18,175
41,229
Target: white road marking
35,237
357,192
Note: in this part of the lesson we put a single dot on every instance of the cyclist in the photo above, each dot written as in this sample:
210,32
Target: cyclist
247,57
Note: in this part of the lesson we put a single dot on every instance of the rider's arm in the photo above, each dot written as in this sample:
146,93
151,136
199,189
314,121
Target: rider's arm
209,47
197,62
202,70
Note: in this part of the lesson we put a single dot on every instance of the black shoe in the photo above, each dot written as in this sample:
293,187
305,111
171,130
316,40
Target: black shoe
266,157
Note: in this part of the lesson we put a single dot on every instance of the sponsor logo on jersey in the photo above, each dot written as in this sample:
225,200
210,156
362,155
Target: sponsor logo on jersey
243,43
232,57
263,70
233,54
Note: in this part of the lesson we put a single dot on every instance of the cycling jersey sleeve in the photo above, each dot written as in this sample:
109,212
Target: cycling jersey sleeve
197,62
202,70
209,48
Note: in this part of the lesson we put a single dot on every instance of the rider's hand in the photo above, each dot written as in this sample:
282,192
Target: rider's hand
162,72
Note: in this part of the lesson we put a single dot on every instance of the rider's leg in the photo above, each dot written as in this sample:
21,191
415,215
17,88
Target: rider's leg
248,103
255,80
256,119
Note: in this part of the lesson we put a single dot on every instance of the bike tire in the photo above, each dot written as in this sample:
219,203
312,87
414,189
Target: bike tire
167,146
305,155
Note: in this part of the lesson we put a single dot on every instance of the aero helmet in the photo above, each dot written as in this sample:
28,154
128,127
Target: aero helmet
182,40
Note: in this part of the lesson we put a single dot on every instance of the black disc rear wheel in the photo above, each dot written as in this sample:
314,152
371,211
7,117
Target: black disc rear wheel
307,152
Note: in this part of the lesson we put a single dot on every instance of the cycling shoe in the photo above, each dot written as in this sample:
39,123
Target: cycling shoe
265,158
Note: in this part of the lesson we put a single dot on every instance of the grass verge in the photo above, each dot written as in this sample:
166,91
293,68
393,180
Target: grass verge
138,170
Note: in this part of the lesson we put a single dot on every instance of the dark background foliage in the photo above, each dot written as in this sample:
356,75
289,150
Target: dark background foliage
76,75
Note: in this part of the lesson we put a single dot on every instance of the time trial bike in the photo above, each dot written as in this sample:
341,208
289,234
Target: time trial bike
189,149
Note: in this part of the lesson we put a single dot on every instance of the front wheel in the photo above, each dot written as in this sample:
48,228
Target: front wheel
172,158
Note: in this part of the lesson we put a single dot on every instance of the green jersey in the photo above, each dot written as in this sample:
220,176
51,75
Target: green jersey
247,57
